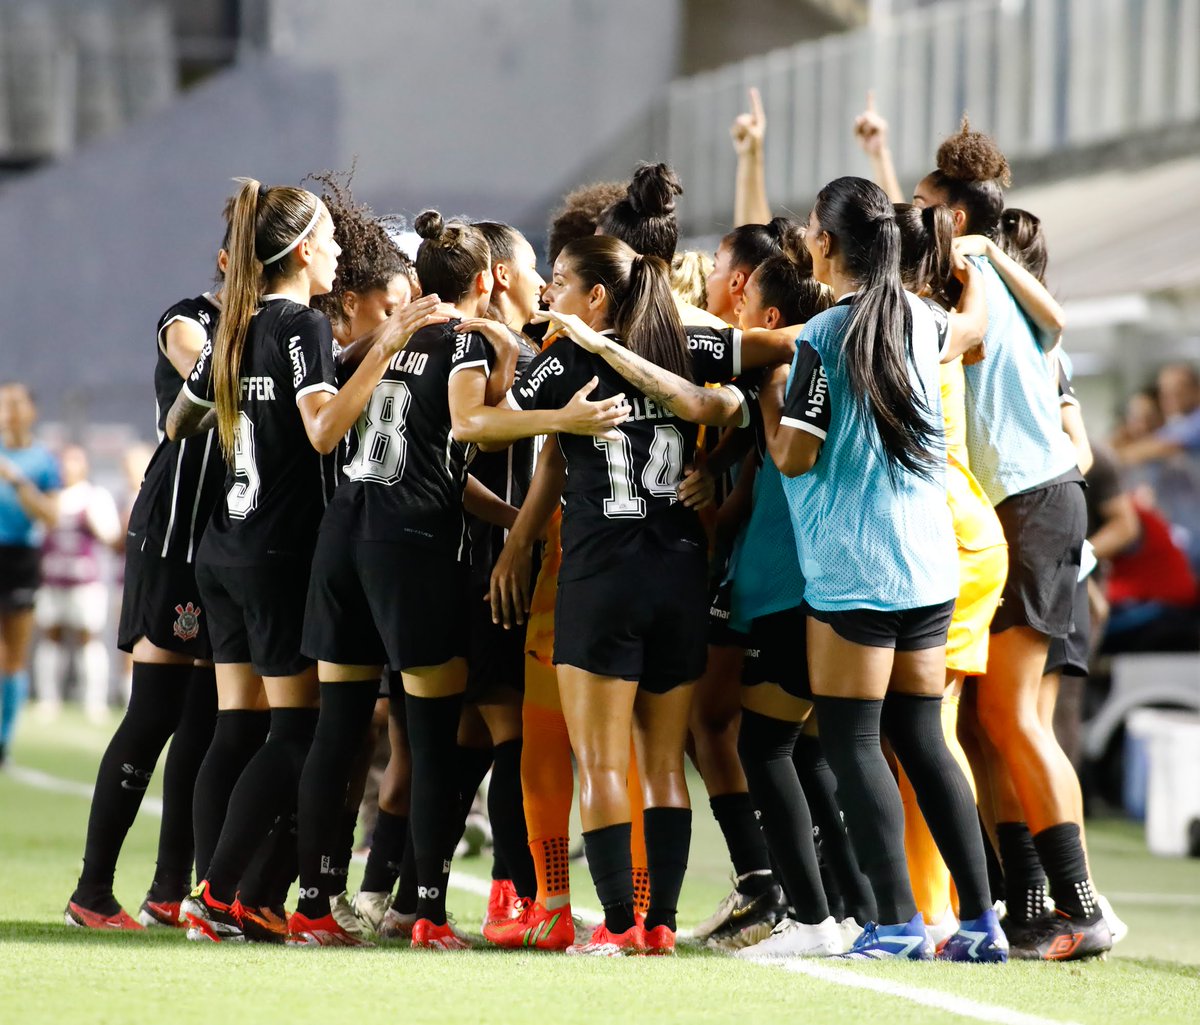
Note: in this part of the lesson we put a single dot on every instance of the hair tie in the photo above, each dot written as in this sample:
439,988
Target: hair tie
262,190
298,239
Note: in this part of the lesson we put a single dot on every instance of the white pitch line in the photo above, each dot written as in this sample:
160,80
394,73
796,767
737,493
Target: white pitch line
937,999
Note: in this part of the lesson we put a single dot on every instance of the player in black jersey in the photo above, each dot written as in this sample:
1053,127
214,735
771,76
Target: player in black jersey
269,381
164,627
630,615
386,585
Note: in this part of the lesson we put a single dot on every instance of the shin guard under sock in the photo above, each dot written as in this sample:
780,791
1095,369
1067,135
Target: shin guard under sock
869,800
765,746
267,790
611,866
345,717
506,809
913,725
189,745
668,840
124,774
237,736
432,735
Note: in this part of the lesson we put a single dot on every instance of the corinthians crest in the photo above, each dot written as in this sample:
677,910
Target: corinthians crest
187,626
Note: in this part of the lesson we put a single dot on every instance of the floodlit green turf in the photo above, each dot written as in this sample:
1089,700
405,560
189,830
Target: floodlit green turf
53,974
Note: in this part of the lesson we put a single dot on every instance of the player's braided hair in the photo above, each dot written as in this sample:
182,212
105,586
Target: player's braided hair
972,172
370,256
265,221
450,256
785,280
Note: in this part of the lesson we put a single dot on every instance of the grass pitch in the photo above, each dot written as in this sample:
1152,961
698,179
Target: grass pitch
52,974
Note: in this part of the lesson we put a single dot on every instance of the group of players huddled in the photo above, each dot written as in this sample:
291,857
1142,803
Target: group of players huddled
777,519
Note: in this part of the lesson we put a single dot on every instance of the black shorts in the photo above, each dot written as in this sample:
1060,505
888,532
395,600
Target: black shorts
777,652
161,601
1069,655
495,656
645,621
907,630
256,614
1045,530
720,633
383,603
20,577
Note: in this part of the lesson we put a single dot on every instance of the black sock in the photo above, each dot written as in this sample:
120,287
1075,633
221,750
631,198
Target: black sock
236,739
913,725
499,865
432,731
189,745
506,808
870,801
739,823
267,790
255,885
1024,878
846,888
765,747
1061,851
995,872
345,717
406,883
472,765
611,864
387,853
125,769
668,839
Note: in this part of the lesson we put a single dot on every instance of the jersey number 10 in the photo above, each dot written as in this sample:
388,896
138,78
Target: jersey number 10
660,477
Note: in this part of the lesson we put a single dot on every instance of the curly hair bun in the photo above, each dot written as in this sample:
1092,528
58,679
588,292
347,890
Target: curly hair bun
971,156
653,190
429,224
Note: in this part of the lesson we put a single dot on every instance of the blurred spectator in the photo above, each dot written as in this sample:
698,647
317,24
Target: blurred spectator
1141,417
1152,593
28,483
73,602
1167,460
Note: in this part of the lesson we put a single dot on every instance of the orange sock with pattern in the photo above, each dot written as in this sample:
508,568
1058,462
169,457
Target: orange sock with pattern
548,784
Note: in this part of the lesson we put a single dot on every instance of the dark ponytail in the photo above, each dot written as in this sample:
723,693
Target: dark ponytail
927,251
263,223
877,346
1021,237
645,217
785,280
751,244
641,308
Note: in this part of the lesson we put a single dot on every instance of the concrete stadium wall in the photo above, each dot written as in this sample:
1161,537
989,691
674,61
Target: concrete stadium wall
97,246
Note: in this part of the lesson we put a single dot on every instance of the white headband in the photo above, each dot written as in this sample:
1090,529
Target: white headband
298,239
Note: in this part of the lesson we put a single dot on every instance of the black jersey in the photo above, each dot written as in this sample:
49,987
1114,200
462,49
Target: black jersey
277,488
506,474
620,489
405,481
184,478
716,353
